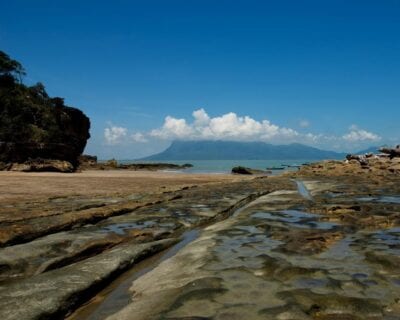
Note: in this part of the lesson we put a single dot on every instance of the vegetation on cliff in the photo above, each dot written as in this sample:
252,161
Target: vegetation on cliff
35,125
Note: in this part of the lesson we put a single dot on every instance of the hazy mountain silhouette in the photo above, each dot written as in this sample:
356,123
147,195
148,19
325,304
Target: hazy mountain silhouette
232,150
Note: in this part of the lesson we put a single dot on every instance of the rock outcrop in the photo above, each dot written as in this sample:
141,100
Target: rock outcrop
375,167
87,162
39,165
245,170
392,152
34,125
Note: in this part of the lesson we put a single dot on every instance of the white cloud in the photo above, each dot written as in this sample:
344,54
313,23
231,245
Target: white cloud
229,126
356,134
139,137
114,135
201,118
173,128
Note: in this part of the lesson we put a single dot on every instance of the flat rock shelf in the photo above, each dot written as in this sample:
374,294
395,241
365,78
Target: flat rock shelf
320,243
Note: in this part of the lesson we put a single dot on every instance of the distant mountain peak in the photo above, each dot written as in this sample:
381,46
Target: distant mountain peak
234,150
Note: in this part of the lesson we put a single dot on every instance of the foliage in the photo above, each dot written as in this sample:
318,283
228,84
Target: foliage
29,115
10,67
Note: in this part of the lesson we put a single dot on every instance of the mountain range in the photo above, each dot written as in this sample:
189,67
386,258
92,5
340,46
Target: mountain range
233,150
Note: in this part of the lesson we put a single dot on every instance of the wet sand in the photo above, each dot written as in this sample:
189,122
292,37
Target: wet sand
15,186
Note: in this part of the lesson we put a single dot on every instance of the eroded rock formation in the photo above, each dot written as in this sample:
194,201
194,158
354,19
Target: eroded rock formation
34,125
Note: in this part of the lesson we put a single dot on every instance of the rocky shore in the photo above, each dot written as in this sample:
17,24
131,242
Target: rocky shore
87,162
319,243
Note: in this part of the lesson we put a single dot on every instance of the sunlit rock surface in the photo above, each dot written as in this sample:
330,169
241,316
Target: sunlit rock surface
321,243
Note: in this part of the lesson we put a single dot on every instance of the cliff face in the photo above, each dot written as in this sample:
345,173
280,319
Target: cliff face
34,125
67,143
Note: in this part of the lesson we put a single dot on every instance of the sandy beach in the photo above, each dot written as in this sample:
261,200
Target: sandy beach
17,186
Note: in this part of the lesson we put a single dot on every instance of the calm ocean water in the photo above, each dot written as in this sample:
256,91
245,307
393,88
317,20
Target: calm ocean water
225,166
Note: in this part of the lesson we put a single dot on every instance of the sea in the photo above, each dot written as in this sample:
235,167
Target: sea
225,166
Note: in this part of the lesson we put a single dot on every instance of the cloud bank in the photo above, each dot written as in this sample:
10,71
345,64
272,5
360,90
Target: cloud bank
226,127
357,134
232,127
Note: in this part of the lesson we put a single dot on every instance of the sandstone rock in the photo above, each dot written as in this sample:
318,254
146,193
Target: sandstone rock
54,293
39,165
111,163
86,160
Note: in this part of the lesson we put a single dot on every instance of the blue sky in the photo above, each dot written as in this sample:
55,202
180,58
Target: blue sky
326,73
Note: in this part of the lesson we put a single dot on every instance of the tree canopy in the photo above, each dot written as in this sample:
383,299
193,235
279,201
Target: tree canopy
10,67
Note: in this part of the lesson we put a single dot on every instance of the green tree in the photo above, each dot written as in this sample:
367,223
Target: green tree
10,67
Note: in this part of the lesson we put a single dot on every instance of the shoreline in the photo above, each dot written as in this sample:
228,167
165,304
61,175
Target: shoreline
283,237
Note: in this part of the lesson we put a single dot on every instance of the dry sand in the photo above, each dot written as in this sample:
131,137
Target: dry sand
16,186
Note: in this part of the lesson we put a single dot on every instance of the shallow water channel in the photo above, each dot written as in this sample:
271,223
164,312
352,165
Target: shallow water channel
117,295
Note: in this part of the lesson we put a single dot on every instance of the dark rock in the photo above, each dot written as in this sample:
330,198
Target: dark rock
241,170
155,166
67,146
245,170
4,166
392,152
361,159
114,165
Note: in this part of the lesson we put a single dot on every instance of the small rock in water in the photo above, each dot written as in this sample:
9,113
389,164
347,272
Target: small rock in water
245,170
